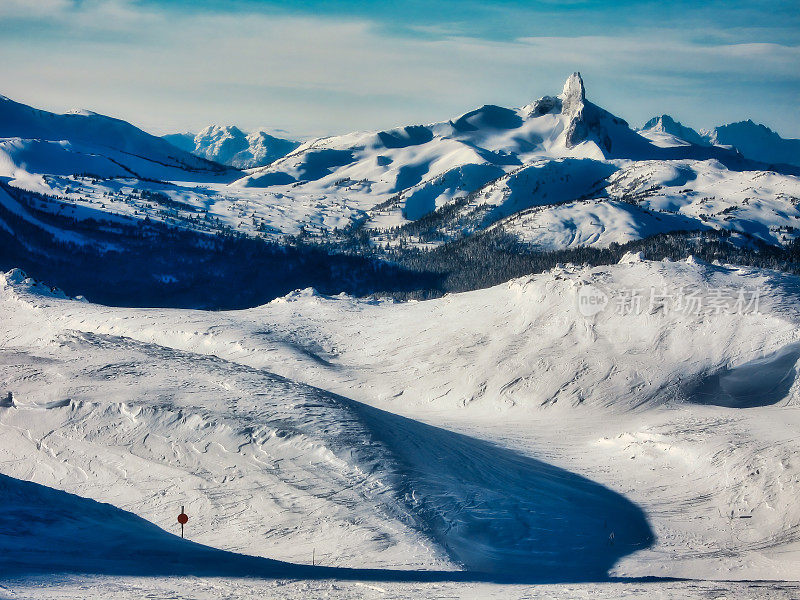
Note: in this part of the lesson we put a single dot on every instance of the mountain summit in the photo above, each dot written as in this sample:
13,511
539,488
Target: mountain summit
757,142
667,125
587,122
573,96
231,146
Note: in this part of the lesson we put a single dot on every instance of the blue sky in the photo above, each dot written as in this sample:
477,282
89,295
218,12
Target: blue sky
312,67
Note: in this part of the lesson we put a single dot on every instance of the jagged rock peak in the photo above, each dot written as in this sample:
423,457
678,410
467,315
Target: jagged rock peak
574,94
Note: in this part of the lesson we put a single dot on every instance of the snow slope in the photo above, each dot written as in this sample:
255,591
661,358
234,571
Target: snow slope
273,467
64,532
596,223
539,403
45,142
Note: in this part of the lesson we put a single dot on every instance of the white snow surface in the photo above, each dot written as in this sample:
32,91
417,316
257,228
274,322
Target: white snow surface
500,430
528,440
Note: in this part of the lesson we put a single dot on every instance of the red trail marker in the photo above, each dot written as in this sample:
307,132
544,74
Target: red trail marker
183,518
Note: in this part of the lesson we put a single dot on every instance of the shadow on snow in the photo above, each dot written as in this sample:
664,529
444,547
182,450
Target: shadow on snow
503,516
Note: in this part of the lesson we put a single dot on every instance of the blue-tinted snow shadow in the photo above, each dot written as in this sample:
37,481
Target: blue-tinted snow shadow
761,382
497,511
504,516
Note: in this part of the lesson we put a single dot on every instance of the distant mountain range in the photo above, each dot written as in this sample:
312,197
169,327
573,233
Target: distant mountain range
231,146
668,126
558,174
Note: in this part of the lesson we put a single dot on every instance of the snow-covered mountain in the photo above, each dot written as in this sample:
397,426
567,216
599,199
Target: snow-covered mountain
672,132
757,142
229,145
38,141
493,162
752,140
467,152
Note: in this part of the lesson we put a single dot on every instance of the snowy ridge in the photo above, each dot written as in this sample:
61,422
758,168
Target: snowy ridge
121,141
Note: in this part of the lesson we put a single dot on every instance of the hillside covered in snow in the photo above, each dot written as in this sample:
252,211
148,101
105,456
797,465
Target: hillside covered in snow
80,142
399,442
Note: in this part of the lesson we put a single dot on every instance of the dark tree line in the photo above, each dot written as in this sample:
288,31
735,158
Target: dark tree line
149,263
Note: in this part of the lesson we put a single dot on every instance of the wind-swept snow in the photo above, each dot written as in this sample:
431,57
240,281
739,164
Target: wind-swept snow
275,468
618,398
